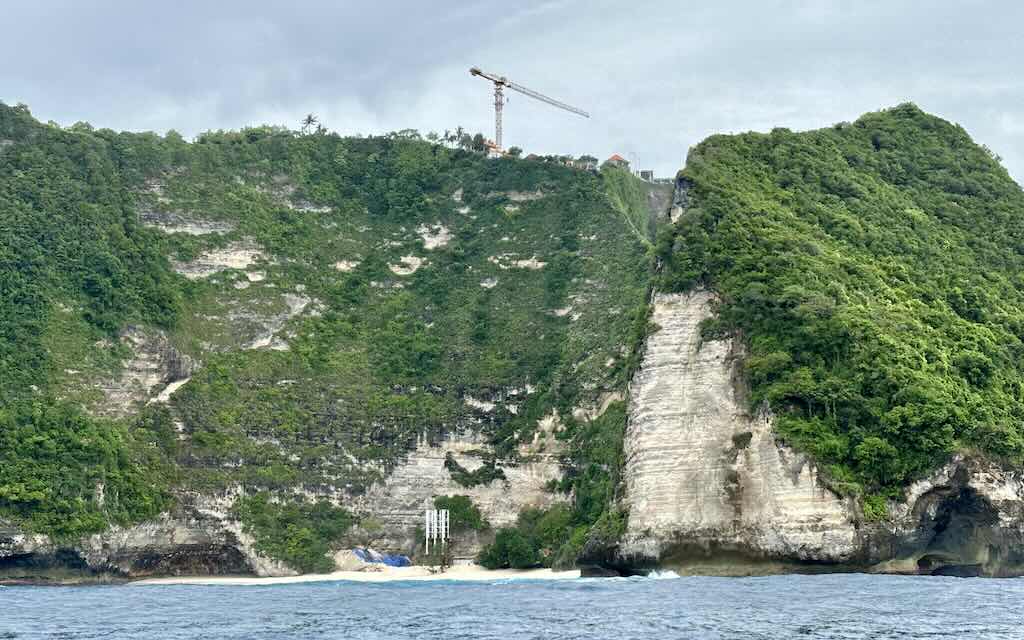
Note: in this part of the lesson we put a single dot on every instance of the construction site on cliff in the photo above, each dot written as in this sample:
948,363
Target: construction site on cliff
500,82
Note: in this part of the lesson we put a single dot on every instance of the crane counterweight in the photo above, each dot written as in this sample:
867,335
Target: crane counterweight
500,82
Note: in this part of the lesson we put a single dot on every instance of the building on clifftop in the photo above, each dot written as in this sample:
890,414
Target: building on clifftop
617,161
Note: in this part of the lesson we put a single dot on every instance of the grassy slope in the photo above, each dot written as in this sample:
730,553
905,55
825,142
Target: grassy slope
875,269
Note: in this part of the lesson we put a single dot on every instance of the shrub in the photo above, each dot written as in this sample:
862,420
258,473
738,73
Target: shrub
463,514
511,549
300,534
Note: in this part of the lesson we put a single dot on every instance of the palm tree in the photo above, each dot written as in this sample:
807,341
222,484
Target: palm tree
308,122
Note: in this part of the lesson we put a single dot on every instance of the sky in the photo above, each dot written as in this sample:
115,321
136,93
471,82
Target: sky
657,77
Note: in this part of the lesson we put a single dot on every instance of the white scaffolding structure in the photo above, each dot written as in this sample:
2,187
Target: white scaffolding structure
437,527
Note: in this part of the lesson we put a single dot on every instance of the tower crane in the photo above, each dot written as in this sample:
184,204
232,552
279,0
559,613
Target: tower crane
500,82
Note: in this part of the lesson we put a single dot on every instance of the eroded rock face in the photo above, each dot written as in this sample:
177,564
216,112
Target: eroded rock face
966,519
237,255
709,490
179,223
154,362
703,474
680,199
399,500
186,542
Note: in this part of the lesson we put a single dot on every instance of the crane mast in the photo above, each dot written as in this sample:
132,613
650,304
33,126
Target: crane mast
500,82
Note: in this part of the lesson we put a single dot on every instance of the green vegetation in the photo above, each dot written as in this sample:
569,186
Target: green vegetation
74,269
398,289
390,357
555,537
484,474
525,289
299,533
463,514
510,549
628,197
875,271
67,474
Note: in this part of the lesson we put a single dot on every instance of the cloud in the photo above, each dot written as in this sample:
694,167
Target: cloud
657,76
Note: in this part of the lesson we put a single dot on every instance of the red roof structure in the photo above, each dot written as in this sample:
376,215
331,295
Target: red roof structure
616,158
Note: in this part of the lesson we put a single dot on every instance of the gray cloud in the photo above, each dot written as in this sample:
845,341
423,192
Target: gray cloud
657,76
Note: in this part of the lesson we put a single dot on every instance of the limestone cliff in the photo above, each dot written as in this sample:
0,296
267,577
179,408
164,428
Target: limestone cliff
701,472
358,325
201,536
297,321
708,489
399,500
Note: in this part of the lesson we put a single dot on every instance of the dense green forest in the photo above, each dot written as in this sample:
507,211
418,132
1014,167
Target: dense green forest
383,282
876,272
69,236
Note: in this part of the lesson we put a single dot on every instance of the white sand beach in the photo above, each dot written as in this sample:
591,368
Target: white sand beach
474,573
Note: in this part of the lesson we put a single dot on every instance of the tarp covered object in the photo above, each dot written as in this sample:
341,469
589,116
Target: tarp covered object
369,555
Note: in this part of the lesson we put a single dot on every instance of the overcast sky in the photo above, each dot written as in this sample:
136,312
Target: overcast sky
657,77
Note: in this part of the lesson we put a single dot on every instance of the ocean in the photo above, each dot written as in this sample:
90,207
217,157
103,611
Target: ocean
665,606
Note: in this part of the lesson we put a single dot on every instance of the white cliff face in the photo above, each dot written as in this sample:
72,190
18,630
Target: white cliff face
400,499
237,255
701,472
153,362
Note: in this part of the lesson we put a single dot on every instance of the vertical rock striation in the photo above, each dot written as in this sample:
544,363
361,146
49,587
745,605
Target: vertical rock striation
704,475
709,490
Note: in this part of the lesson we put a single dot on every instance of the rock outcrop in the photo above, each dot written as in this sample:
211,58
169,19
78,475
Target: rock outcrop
178,223
153,362
965,519
709,490
186,542
399,501
201,537
705,478
236,255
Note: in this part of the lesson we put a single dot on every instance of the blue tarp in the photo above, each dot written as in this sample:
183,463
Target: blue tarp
369,555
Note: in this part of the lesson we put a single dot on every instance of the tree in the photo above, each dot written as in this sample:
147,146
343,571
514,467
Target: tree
308,122
479,143
511,549
515,152
464,514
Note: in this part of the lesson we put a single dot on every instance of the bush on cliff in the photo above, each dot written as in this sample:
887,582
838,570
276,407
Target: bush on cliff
302,534
67,474
463,514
